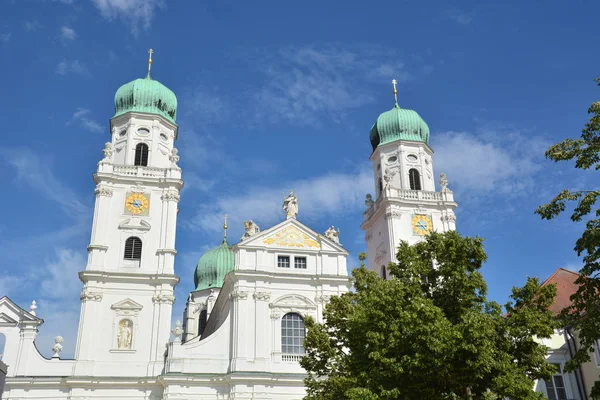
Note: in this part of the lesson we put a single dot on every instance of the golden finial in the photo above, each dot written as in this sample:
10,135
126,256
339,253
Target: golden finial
225,218
395,91
150,52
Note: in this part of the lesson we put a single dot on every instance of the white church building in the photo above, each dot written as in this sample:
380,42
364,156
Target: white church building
242,331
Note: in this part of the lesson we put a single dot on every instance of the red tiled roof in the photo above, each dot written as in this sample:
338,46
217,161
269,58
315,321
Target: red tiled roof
565,287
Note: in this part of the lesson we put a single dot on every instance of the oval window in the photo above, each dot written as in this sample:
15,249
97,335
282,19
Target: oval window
412,158
164,137
392,159
143,131
123,133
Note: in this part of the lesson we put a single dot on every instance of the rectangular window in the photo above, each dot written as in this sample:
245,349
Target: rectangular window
555,387
300,262
597,353
283,261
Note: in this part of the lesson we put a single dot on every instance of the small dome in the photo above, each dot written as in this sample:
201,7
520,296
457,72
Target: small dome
146,96
213,266
398,124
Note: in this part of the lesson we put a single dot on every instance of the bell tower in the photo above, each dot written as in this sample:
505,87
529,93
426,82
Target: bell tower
129,280
406,204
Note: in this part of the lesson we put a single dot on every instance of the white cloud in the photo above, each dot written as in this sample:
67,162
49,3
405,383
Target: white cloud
82,115
66,67
10,284
331,194
31,169
5,37
67,33
32,26
477,165
133,12
204,106
306,84
61,279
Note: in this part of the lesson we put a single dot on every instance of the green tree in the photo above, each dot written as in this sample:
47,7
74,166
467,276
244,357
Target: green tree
584,314
429,333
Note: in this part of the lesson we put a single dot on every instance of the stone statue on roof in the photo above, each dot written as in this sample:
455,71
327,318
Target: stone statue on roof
333,235
250,229
290,205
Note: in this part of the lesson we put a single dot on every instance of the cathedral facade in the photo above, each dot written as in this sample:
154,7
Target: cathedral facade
241,335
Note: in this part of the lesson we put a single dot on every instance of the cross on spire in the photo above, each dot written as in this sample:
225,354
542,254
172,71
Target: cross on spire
225,218
395,91
150,52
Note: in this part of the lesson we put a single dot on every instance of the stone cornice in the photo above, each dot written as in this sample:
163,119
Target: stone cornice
114,276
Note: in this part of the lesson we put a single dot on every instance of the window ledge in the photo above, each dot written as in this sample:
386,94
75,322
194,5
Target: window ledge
126,351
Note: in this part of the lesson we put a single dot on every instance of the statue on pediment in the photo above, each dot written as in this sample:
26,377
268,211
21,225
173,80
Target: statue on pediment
333,235
250,229
290,205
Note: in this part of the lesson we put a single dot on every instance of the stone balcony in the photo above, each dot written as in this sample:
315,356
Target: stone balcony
420,196
135,171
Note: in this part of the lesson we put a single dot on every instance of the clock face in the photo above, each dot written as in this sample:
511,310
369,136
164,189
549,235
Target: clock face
136,203
422,224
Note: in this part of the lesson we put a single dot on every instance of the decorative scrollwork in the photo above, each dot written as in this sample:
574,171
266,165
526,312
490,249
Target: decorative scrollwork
170,195
163,298
89,295
103,190
238,294
264,296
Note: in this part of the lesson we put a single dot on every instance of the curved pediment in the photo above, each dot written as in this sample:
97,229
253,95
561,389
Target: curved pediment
293,300
134,224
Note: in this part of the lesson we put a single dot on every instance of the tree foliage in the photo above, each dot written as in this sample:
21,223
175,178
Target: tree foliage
429,332
583,315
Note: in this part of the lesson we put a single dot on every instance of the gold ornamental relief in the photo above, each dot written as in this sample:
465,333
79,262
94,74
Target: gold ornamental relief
291,237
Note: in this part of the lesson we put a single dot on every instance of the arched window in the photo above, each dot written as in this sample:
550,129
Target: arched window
292,334
414,178
383,272
141,155
202,323
133,248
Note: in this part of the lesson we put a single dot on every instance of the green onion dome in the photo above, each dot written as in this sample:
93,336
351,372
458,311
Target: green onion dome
398,124
146,96
213,266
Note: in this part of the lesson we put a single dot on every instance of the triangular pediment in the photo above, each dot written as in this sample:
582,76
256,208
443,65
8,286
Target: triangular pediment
134,224
127,304
6,320
291,234
11,314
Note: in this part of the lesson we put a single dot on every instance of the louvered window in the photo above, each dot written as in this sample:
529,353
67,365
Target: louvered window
414,179
141,155
133,248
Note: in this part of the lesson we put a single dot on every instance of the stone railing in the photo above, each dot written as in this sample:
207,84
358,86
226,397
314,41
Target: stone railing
414,194
144,172
406,194
291,357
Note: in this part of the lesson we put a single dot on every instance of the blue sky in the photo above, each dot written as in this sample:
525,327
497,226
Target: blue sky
276,95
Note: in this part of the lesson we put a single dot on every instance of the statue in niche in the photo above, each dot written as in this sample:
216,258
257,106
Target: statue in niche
369,201
174,156
444,182
108,150
290,205
125,334
250,229
333,235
